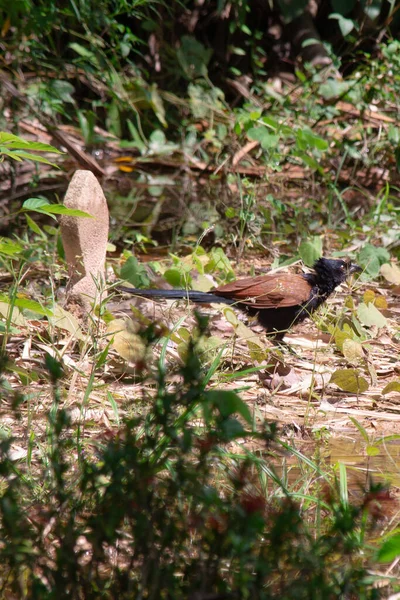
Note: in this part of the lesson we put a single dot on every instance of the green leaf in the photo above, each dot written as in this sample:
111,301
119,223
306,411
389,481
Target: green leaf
10,154
309,161
157,104
33,306
114,406
360,428
9,247
310,250
19,154
341,337
372,8
17,143
174,277
393,386
267,140
193,57
307,139
231,429
230,212
372,450
333,88
349,380
390,550
82,50
54,367
229,403
60,209
257,352
33,203
44,207
371,258
370,316
346,26
34,226
134,272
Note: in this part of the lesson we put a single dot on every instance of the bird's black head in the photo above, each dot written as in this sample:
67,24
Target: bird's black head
335,271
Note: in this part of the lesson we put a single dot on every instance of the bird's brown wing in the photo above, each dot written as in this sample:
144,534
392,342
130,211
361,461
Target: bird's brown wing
267,291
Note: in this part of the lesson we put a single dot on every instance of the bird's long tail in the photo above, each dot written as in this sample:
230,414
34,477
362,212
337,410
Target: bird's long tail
192,295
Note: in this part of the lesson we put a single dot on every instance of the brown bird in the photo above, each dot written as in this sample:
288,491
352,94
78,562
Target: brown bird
279,300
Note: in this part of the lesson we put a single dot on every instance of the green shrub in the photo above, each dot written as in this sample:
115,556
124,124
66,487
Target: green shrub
164,507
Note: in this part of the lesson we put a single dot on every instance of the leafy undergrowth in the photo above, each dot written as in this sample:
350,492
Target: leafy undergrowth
134,444
142,460
172,502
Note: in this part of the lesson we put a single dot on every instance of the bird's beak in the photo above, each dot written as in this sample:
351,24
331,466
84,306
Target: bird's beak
353,268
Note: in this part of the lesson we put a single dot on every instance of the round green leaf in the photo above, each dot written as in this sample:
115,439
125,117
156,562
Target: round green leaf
349,380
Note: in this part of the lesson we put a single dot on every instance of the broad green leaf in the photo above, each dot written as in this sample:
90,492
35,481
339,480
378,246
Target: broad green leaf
310,161
346,26
257,353
393,386
390,550
15,143
306,138
261,134
349,380
372,8
371,258
33,306
230,212
9,247
34,203
40,205
174,277
372,450
134,272
229,403
272,123
369,296
33,157
369,315
333,88
232,428
6,138
230,316
193,57
10,154
60,209
341,337
310,250
34,226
